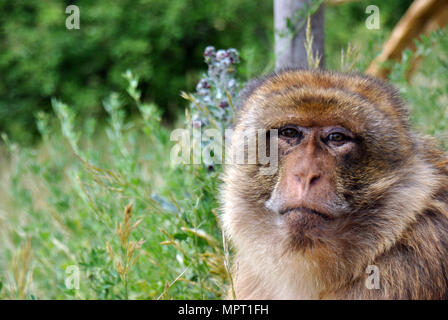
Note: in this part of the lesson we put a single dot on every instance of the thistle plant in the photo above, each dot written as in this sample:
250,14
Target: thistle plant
213,104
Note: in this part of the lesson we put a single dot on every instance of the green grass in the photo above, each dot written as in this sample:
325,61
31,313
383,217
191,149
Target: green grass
427,92
68,195
62,203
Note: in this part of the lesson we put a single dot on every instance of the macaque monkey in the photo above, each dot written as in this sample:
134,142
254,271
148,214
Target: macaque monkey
358,207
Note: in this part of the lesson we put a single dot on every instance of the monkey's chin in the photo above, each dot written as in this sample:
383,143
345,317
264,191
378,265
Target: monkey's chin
305,226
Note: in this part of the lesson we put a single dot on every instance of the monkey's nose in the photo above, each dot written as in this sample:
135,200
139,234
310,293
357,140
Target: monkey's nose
307,181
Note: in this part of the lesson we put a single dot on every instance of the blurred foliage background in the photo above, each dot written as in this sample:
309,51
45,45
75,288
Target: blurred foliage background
161,41
86,184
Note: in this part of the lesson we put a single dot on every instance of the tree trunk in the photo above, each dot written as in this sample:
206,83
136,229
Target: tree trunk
290,47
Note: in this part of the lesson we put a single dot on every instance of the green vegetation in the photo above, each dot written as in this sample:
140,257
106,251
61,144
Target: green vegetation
68,199
97,192
427,92
160,40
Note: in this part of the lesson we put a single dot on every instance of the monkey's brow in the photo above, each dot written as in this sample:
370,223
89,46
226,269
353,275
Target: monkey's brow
311,96
305,99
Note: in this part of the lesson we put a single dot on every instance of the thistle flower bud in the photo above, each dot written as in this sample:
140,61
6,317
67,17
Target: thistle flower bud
209,51
233,55
221,55
203,84
223,104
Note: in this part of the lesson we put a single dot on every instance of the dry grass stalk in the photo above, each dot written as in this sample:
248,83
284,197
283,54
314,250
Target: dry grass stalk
126,258
21,271
349,58
313,60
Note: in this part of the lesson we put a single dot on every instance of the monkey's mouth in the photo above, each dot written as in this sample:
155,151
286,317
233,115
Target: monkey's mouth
305,225
306,211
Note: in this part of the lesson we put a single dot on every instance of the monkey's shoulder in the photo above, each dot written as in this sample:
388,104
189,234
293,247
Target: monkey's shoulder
417,266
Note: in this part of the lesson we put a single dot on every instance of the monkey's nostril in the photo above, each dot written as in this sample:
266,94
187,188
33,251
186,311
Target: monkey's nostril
314,180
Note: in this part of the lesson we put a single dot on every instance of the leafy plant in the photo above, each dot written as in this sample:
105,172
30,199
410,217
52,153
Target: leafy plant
65,198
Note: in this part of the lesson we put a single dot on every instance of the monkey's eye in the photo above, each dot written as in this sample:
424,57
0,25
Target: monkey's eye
337,138
290,132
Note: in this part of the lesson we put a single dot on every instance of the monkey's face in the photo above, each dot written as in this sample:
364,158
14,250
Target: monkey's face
341,141
305,196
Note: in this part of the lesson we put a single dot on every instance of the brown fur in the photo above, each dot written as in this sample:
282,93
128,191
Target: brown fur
393,191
